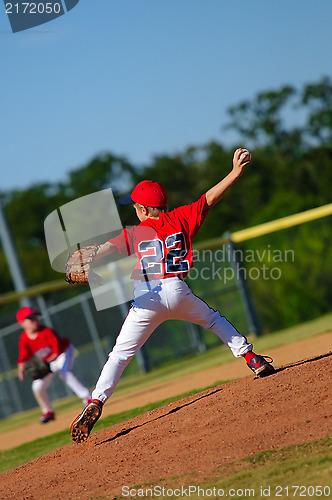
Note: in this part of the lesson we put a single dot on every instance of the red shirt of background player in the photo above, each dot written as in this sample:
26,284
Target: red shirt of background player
46,343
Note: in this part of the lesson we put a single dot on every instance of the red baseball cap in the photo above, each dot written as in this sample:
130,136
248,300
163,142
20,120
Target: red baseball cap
26,313
147,193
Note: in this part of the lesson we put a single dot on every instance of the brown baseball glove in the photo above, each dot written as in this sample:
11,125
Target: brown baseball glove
78,266
36,368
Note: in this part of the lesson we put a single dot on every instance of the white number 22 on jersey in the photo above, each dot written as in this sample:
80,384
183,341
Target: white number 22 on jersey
174,259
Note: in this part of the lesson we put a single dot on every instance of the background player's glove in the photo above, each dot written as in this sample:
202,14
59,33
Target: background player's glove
78,266
36,368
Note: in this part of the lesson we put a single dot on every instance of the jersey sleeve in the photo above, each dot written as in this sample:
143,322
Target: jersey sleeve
192,215
124,242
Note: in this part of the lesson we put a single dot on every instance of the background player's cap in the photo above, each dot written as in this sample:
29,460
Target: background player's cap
26,313
147,193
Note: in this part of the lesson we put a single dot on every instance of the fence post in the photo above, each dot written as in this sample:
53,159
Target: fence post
44,310
195,337
248,305
92,329
13,262
13,391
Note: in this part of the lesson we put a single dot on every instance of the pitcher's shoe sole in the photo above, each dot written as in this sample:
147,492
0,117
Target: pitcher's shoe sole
83,424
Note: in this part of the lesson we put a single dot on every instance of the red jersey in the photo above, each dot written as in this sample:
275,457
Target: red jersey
46,343
163,246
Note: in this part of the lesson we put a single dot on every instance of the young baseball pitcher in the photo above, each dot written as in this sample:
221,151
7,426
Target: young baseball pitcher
162,243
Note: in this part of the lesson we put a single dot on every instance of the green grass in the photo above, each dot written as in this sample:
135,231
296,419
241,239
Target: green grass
276,473
304,465
309,464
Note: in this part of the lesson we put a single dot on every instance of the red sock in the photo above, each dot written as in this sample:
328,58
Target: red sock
249,355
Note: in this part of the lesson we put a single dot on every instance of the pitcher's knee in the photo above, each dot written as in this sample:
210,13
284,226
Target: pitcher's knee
123,354
224,326
213,321
121,359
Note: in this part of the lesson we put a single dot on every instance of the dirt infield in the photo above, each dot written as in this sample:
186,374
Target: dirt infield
313,346
196,435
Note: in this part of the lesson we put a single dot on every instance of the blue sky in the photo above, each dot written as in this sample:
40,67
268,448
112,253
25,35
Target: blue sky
144,77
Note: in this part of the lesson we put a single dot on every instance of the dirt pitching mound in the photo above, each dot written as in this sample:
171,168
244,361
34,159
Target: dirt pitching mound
195,435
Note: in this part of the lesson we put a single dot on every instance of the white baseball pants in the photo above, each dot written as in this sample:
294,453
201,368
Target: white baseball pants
155,302
62,365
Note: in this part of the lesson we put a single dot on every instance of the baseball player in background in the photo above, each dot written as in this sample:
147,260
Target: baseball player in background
42,342
162,243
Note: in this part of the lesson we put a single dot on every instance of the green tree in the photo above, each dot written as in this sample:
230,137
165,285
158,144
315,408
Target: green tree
317,99
261,121
27,209
101,172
